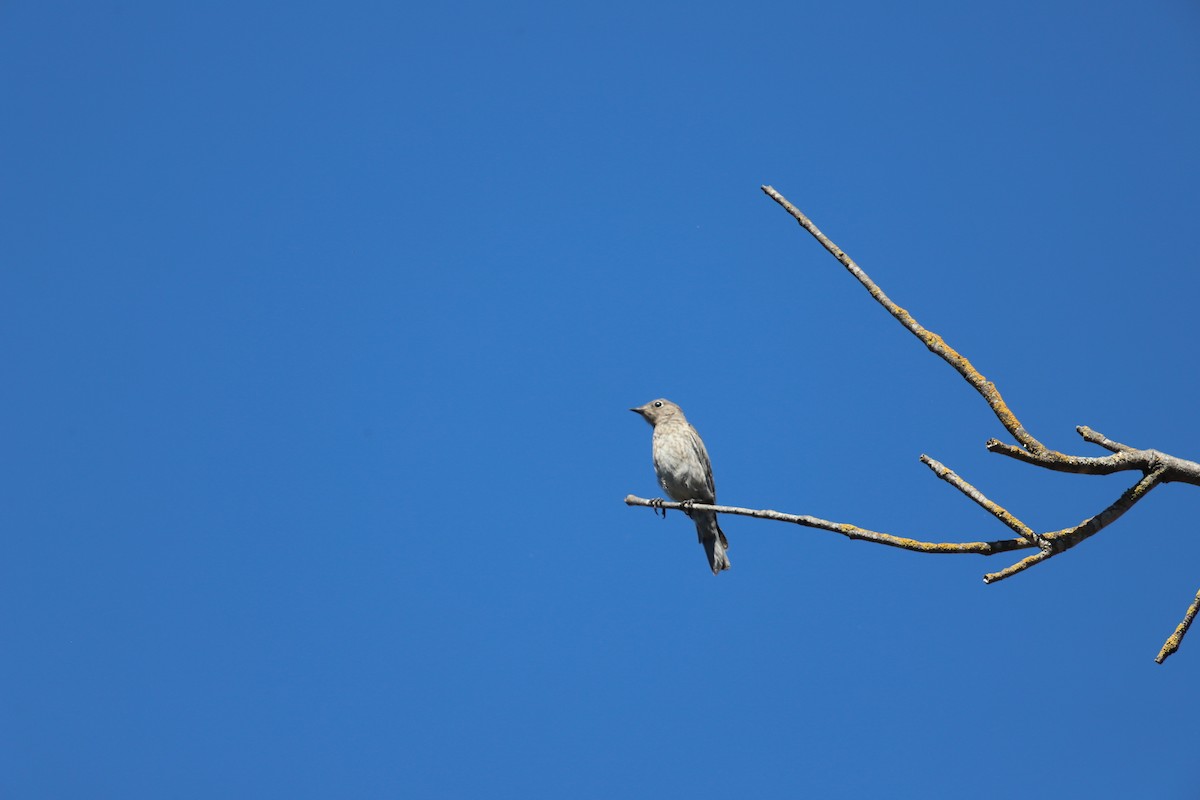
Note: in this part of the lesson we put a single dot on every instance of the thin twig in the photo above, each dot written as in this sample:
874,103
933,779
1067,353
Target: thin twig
1123,459
935,343
995,509
845,529
1069,537
1172,643
1082,465
1095,437
1032,451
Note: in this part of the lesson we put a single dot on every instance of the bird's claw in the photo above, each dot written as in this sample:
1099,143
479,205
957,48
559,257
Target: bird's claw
657,505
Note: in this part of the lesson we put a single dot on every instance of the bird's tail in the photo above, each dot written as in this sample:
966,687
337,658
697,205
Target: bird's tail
714,541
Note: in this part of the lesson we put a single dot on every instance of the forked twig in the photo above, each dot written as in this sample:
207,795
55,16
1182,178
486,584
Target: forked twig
1156,467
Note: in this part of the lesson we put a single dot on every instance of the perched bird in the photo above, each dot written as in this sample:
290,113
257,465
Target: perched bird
685,473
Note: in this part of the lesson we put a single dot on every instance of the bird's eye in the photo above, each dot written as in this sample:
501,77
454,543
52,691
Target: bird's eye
658,403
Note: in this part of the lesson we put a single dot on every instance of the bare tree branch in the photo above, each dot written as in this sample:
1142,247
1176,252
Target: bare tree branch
1123,459
1172,643
998,511
1092,436
844,528
1069,537
935,343
1033,452
1156,467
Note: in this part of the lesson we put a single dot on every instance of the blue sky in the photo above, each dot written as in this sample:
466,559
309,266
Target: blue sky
320,325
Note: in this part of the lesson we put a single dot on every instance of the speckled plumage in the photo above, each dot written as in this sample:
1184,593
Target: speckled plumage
685,473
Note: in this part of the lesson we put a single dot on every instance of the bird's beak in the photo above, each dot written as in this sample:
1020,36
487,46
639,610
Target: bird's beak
639,410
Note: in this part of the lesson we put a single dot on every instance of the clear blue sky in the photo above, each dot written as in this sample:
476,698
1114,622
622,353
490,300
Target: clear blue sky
320,323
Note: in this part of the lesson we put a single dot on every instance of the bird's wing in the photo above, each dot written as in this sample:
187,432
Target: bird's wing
702,454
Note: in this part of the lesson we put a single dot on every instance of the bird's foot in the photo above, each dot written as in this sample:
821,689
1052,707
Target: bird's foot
657,505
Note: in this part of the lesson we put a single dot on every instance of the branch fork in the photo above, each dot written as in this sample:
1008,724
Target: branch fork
1155,467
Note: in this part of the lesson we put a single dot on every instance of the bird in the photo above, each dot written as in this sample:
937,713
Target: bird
685,473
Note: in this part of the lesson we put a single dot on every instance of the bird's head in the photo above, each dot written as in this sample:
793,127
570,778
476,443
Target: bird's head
656,411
